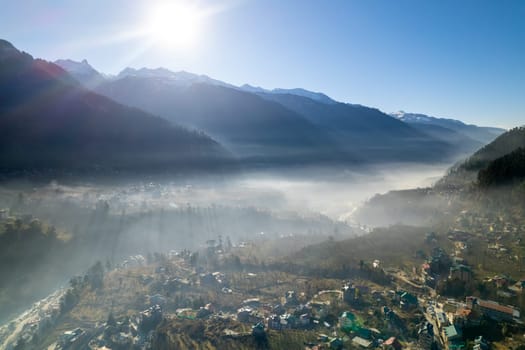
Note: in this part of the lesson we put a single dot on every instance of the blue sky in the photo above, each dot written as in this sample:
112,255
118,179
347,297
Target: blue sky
461,59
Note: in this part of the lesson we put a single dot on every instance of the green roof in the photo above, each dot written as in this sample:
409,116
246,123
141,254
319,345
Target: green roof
349,322
451,332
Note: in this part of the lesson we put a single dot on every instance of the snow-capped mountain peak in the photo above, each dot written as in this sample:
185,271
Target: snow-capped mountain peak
178,78
71,66
423,118
81,71
254,89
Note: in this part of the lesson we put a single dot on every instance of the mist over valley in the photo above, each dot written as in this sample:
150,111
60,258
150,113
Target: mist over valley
147,205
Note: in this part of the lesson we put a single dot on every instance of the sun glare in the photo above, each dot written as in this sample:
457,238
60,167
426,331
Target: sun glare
174,24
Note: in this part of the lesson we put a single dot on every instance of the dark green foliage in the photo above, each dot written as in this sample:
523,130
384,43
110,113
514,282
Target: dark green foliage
95,275
504,170
376,275
233,262
196,330
395,245
504,144
69,300
111,320
490,329
194,258
465,172
454,288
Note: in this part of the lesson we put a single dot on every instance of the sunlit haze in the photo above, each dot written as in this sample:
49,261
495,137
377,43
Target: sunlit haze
450,59
262,174
174,24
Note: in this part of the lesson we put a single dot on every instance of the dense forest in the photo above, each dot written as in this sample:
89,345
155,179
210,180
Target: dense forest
504,170
465,173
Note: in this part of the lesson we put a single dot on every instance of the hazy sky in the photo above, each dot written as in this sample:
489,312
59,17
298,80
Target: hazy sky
459,58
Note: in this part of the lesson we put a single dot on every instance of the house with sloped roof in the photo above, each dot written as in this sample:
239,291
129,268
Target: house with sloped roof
493,309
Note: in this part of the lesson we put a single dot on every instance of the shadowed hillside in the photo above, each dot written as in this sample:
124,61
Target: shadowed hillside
48,121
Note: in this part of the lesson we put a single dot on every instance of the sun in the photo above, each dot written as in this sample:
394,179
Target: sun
174,24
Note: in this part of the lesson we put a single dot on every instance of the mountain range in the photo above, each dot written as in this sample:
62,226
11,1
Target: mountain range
288,125
468,170
494,173
482,135
83,72
69,115
48,120
254,129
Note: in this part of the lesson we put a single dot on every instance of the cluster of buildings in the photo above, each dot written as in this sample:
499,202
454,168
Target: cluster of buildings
493,310
470,315
440,263
291,310
291,313
281,316
426,337
133,333
460,270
